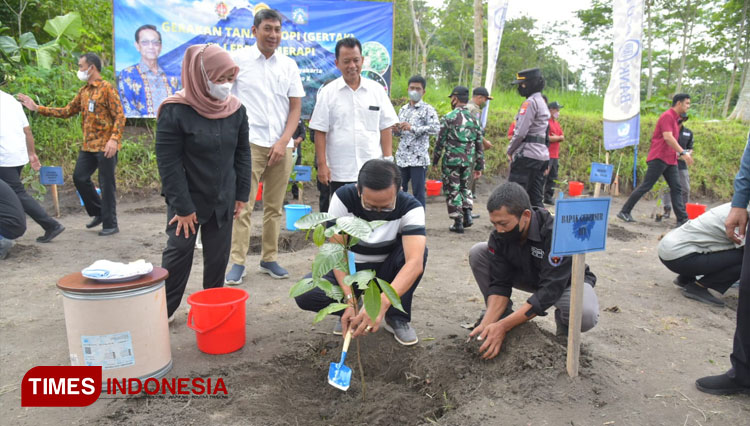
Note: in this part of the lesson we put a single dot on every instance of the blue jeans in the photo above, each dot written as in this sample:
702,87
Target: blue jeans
417,176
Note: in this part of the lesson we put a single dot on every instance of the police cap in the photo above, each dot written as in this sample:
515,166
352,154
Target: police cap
481,91
527,75
460,91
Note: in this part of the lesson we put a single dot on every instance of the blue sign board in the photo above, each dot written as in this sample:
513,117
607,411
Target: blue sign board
601,173
580,225
51,175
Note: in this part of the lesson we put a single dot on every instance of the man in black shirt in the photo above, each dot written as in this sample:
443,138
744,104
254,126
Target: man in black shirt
517,255
686,142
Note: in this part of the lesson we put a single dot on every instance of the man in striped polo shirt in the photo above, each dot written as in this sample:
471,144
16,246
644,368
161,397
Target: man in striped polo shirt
396,250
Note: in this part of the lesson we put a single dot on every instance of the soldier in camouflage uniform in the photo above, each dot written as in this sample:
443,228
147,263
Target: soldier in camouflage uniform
461,137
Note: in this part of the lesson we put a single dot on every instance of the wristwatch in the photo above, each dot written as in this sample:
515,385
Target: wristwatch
682,153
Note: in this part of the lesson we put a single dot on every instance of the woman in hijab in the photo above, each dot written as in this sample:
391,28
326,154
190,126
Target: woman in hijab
203,156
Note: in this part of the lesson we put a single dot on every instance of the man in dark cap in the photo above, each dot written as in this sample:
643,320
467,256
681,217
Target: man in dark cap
527,152
479,98
461,137
555,137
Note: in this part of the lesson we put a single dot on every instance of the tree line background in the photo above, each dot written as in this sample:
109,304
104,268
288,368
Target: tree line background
701,47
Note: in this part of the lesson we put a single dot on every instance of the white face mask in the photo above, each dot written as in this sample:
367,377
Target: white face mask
83,75
217,91
415,96
555,115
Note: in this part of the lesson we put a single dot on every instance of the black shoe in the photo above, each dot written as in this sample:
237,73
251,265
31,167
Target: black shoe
468,221
625,217
549,202
97,220
667,212
701,294
561,329
680,283
52,233
681,222
720,385
474,215
108,231
458,226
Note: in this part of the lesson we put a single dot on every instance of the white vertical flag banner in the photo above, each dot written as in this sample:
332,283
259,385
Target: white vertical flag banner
496,12
622,102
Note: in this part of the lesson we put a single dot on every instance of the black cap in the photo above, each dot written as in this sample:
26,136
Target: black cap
525,75
481,91
460,91
554,105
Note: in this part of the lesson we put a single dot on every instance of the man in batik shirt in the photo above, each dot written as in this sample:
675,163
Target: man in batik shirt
145,85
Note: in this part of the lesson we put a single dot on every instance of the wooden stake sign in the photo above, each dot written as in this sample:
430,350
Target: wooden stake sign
52,176
580,228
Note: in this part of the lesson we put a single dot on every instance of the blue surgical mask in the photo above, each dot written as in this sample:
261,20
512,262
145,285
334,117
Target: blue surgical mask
415,96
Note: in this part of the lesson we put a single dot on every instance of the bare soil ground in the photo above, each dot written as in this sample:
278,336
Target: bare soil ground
638,366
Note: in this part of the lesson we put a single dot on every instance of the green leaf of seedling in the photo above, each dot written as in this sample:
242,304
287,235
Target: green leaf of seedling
8,45
354,226
372,301
309,221
375,223
303,286
329,257
319,236
352,241
391,294
333,230
333,307
361,277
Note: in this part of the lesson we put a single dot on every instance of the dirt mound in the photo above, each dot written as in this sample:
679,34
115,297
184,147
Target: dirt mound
619,233
404,385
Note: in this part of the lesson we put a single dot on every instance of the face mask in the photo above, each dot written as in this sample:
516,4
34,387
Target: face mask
415,96
83,75
217,91
374,215
512,236
555,115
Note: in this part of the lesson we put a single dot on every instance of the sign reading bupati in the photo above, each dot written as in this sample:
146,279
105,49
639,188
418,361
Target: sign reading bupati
580,225
151,39
601,173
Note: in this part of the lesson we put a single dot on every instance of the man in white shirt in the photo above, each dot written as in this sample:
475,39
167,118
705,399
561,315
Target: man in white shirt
270,88
16,150
352,120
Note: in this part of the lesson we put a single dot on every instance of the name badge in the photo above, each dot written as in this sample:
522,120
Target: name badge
92,103
374,108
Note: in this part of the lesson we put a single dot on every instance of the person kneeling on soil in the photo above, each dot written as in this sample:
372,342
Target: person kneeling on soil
701,247
517,255
396,250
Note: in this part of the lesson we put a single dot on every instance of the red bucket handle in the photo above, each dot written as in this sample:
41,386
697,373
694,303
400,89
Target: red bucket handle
198,330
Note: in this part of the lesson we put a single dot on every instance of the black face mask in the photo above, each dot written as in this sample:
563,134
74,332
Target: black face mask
374,215
512,236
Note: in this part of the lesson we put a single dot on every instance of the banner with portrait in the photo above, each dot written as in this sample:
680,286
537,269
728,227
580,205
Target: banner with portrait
149,69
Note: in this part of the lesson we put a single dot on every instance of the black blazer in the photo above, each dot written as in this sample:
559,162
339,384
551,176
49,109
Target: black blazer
204,164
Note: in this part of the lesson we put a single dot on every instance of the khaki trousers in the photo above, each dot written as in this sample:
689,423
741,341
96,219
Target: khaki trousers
275,180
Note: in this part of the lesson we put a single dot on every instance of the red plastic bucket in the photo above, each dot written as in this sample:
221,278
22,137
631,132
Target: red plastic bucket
434,187
259,195
575,188
218,317
694,210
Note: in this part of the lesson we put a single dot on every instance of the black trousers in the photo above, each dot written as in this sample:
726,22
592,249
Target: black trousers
316,299
529,173
740,357
295,189
86,164
417,175
12,176
177,257
656,169
549,184
12,217
720,269
329,190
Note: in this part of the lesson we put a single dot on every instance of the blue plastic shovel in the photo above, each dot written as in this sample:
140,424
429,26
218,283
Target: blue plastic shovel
339,375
